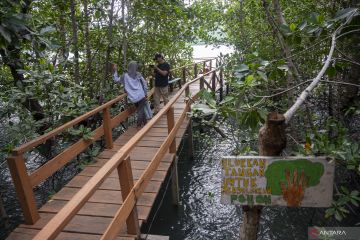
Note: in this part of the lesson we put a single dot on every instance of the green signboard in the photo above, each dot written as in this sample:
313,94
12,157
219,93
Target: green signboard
289,181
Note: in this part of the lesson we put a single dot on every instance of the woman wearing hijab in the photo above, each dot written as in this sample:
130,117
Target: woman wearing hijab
136,88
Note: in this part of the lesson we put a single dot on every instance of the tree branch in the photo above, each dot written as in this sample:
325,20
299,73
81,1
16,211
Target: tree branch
301,99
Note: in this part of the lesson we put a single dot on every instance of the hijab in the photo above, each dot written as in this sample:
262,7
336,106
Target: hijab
132,69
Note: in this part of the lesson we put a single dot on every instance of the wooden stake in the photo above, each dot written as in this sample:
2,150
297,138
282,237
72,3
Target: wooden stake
221,84
126,184
184,75
195,70
213,82
175,183
202,84
272,140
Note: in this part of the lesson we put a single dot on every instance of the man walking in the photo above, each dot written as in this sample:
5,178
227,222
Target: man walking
161,72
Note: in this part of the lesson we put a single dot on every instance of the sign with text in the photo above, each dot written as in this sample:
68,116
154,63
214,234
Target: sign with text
289,181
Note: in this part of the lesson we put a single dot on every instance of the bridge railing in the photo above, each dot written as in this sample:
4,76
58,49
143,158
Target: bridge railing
121,161
25,182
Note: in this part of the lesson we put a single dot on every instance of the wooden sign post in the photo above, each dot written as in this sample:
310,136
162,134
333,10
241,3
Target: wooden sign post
277,181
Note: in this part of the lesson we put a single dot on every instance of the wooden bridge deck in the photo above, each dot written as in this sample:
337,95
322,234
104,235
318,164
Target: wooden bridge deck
94,217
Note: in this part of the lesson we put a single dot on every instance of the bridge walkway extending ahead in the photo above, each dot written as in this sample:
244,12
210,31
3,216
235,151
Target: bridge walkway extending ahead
93,218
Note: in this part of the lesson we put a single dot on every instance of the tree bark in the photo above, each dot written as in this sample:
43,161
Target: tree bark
62,31
124,43
275,23
110,44
272,141
75,40
87,40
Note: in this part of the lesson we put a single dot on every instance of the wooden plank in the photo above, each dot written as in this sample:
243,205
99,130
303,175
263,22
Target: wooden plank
107,196
90,171
117,223
79,224
29,145
109,184
94,209
136,164
28,234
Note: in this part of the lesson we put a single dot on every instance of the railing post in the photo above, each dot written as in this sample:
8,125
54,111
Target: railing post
204,67
210,64
107,128
195,70
202,79
171,85
221,83
175,183
187,91
171,124
126,184
23,188
190,135
184,75
213,82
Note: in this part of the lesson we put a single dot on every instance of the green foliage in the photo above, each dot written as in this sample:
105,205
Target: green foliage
336,145
83,132
339,208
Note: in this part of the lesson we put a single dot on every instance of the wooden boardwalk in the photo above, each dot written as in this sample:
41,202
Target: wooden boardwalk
98,212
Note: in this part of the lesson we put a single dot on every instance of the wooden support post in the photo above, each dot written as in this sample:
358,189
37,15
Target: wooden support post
187,91
213,82
190,140
4,218
195,70
202,79
23,188
221,83
210,64
107,128
175,182
204,68
272,140
184,75
126,184
171,124
171,85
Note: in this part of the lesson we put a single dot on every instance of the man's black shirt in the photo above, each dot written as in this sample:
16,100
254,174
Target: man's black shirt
160,80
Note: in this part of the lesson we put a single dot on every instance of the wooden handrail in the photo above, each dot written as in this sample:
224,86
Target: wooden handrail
64,216
118,222
191,64
41,139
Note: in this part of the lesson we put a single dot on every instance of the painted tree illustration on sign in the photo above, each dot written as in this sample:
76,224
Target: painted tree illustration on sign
290,178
